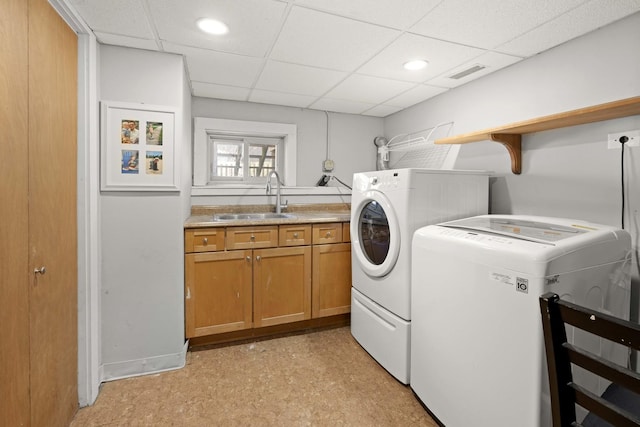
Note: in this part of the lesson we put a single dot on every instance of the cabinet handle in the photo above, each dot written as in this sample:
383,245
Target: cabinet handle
253,237
188,296
248,259
205,241
295,235
328,234
40,270
258,258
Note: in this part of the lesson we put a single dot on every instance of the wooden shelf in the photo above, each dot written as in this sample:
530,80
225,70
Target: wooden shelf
511,135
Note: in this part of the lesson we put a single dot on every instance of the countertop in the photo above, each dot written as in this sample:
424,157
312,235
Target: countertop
202,216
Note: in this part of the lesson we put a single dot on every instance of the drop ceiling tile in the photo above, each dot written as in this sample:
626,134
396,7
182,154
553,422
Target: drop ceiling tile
395,14
252,26
490,23
382,111
328,41
368,89
123,17
413,96
341,106
441,56
278,98
579,21
209,66
297,79
492,61
119,40
209,90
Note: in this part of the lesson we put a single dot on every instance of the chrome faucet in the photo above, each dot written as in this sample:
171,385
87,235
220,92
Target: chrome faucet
279,206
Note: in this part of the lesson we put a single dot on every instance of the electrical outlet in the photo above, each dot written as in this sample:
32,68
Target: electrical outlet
632,141
327,165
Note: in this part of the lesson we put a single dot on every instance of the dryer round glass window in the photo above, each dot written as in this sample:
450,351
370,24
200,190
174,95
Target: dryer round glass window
375,234
373,229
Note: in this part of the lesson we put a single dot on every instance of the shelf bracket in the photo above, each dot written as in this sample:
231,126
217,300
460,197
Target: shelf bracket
513,144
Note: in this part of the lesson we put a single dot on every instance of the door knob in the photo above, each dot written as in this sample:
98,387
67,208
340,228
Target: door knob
40,270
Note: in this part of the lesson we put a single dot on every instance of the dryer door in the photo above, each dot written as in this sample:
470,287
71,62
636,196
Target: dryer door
375,234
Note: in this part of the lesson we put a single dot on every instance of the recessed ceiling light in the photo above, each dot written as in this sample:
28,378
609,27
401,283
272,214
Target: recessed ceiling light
212,26
416,64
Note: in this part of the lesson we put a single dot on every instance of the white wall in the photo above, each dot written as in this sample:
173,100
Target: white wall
141,235
350,146
567,172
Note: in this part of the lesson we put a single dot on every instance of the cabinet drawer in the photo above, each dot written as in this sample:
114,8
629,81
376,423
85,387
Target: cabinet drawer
252,237
204,240
327,233
294,235
346,233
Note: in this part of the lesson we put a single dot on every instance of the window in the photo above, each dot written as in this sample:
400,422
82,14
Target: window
242,152
243,159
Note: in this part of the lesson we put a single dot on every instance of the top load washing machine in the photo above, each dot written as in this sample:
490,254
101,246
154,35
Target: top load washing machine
386,208
477,350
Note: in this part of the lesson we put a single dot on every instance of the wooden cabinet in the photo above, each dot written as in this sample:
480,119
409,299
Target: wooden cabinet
281,285
245,280
204,240
327,233
331,276
218,294
252,237
294,235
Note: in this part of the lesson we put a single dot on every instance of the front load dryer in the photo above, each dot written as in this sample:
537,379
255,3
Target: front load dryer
386,208
477,350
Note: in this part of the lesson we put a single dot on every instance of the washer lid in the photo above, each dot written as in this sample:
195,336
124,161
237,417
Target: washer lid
518,228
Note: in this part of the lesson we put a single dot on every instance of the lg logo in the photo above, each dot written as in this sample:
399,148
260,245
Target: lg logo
522,285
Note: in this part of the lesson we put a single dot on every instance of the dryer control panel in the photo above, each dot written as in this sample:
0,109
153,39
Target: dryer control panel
384,181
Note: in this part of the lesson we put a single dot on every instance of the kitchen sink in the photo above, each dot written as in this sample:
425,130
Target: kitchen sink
251,216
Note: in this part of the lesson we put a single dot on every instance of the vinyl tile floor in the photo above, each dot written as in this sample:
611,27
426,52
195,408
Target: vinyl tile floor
317,379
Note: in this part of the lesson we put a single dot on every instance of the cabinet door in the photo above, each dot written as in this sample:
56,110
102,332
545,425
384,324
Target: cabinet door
281,285
217,292
331,279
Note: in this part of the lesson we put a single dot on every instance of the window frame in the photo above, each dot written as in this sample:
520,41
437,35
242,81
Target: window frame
204,127
245,144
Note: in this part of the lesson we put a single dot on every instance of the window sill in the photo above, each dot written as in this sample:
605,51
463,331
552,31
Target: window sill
259,190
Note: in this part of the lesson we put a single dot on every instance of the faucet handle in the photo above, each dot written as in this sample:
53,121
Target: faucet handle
284,205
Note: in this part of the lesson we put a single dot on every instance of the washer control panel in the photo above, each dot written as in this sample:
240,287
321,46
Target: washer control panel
384,181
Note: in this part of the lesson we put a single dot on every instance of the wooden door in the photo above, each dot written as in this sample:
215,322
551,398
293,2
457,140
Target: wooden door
331,280
53,64
38,88
218,295
281,285
14,184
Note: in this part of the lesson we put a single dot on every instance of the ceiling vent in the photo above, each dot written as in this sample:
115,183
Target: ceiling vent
468,71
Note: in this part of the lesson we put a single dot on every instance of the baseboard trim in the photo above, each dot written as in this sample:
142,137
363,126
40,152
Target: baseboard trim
146,366
268,332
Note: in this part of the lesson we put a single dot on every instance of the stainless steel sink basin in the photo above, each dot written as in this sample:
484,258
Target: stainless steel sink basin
251,216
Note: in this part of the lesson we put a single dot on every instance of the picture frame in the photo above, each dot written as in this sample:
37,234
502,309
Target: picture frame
137,147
